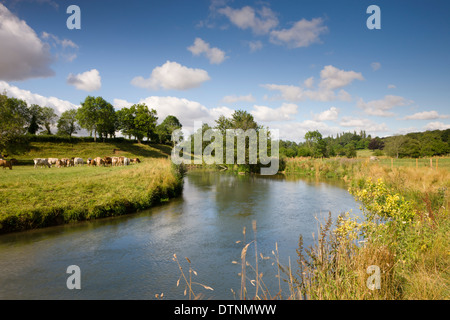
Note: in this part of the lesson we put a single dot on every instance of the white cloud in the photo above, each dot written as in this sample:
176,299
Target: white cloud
328,115
302,34
172,75
32,98
285,112
22,54
87,81
375,66
295,131
332,79
121,103
309,83
363,124
215,55
259,21
382,107
255,45
426,115
437,125
234,98
66,48
392,86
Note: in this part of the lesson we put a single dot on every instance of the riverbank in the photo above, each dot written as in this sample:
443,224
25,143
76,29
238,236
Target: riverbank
403,236
35,198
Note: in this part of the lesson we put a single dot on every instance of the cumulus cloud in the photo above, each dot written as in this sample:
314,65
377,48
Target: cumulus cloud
383,106
426,115
214,55
32,98
259,21
437,125
22,54
87,81
285,112
328,115
172,75
234,98
331,79
302,34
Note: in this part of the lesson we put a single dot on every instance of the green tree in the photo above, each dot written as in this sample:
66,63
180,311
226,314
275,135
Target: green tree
36,119
145,122
165,129
48,118
97,116
67,123
14,121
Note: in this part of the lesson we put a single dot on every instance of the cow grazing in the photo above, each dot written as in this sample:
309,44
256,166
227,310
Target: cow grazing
99,161
77,161
107,160
126,161
52,161
114,161
59,163
39,162
65,162
121,161
135,160
90,162
6,164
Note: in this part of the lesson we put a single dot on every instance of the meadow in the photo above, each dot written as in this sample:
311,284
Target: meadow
33,198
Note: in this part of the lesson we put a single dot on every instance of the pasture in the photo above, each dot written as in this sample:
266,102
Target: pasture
45,196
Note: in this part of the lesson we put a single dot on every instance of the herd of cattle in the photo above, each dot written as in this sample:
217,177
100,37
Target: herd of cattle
72,162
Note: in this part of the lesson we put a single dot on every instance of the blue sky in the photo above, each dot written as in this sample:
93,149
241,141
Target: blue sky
295,65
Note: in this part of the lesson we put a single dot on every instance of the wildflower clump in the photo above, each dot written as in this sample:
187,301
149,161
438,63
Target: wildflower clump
379,202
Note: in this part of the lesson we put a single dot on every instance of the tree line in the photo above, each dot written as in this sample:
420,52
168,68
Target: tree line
96,115
411,145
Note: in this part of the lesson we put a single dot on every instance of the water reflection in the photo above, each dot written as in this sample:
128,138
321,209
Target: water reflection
129,257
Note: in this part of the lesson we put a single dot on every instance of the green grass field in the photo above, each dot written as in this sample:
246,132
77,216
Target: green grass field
31,198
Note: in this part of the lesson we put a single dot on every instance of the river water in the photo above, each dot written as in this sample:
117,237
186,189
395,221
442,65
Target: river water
130,257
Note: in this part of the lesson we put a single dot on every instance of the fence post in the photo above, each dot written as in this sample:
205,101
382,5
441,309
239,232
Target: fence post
437,163
431,163
417,163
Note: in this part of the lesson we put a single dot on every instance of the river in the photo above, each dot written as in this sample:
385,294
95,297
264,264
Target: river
130,257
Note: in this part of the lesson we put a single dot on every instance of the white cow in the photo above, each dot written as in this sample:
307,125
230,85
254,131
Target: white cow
114,161
52,161
77,161
41,162
126,161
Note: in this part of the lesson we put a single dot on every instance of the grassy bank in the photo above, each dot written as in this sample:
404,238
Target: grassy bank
404,232
34,198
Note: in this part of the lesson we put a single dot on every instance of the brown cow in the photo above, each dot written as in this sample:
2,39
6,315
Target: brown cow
107,160
6,164
65,162
59,163
99,161
135,160
121,161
